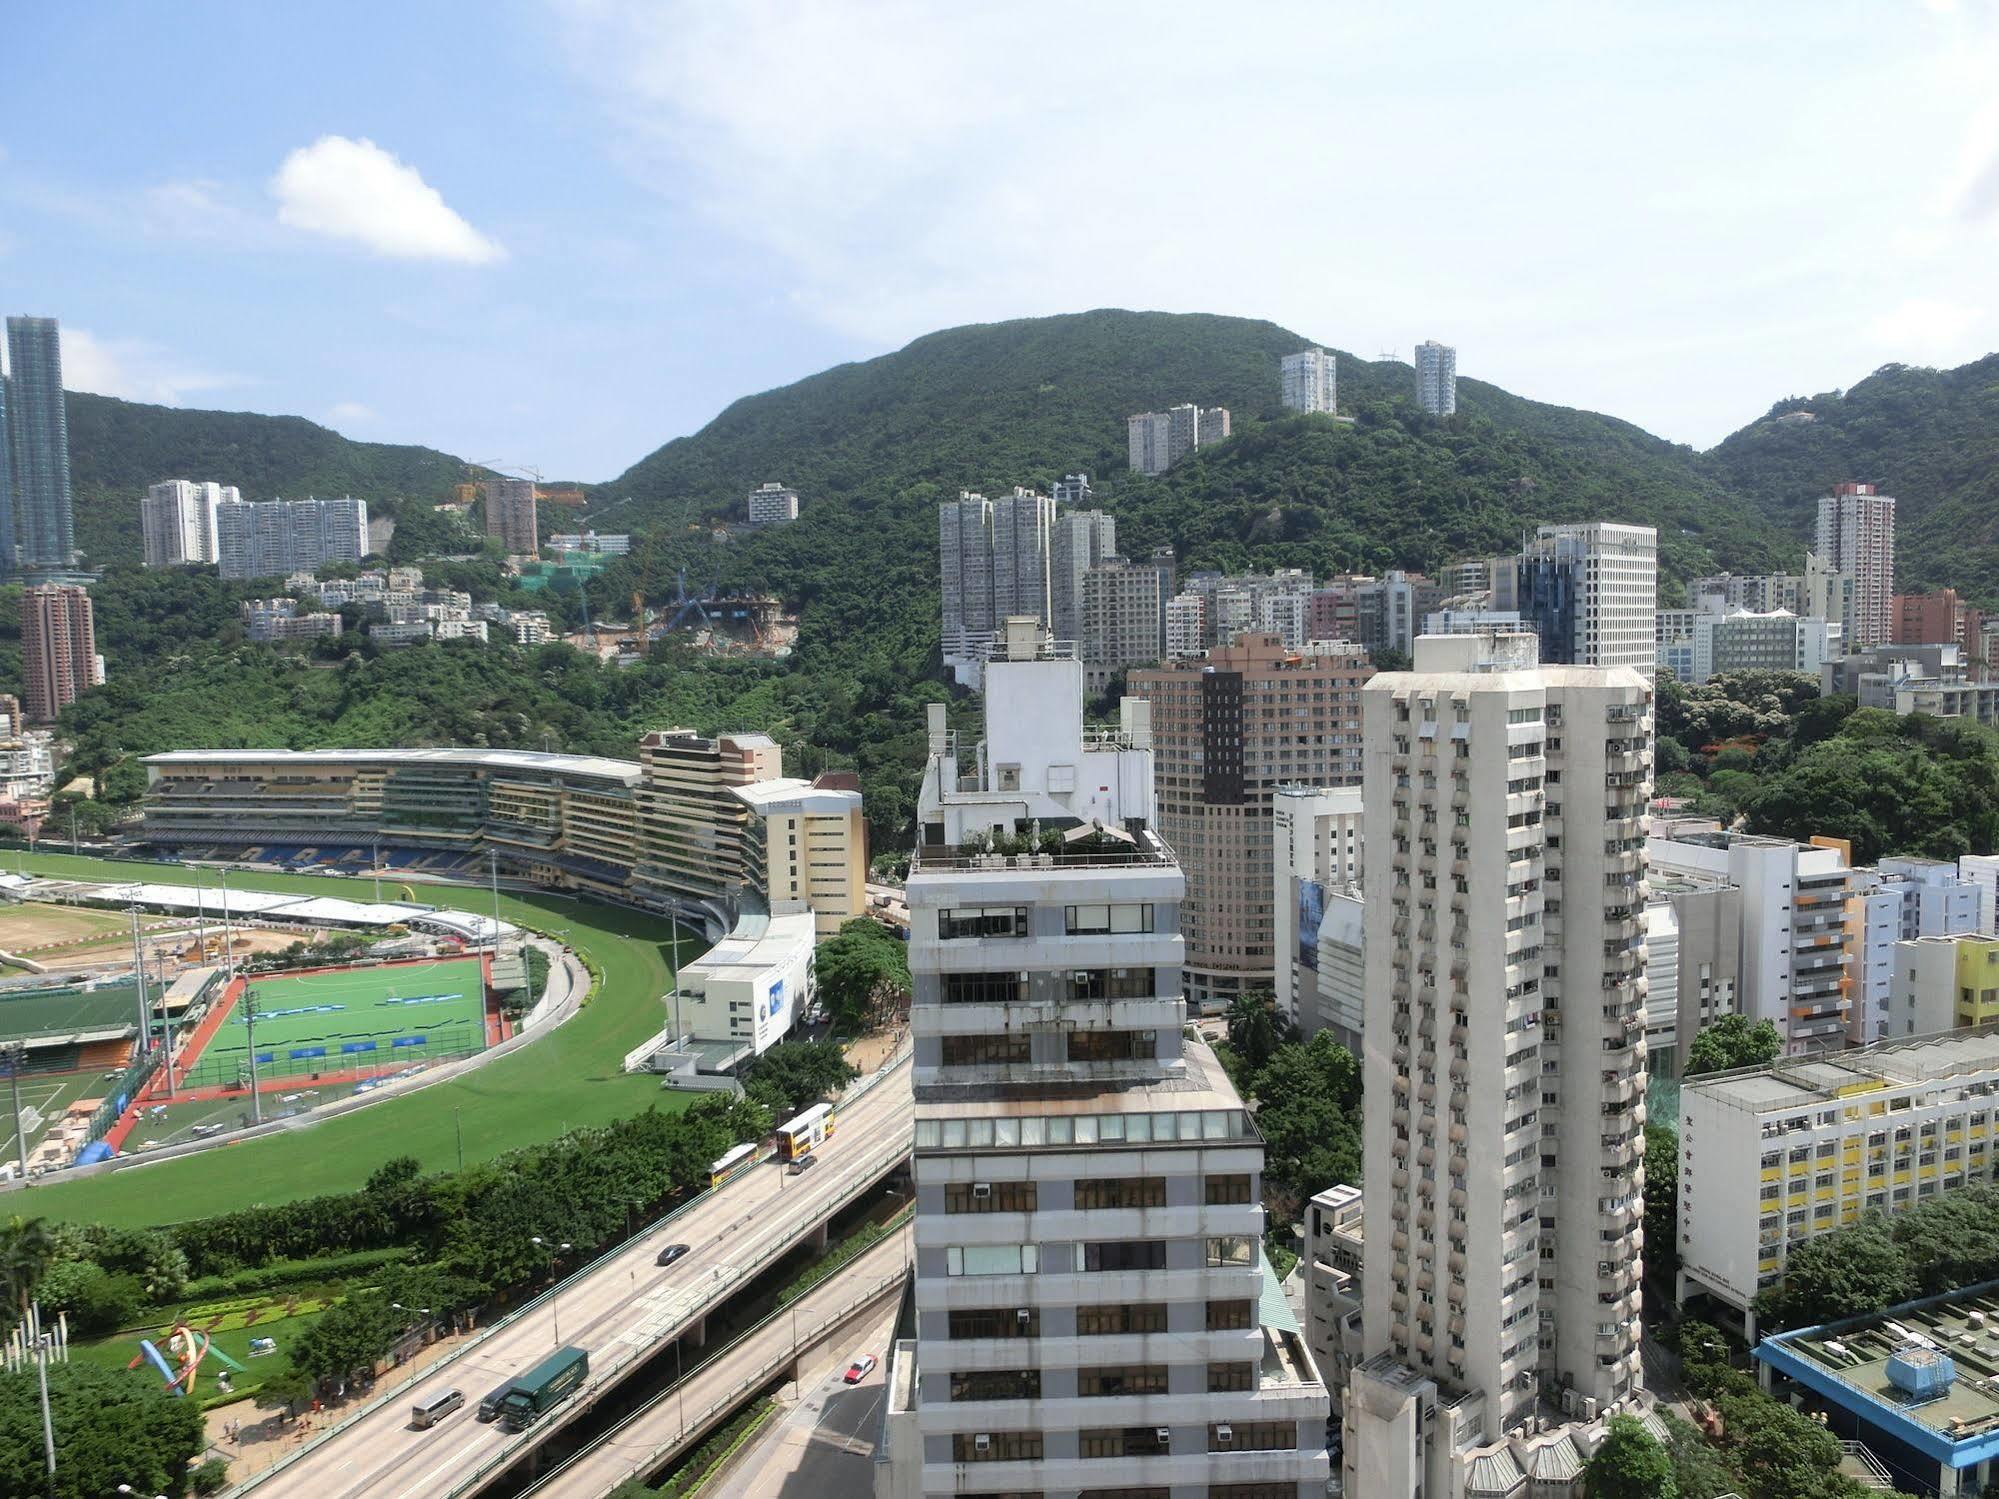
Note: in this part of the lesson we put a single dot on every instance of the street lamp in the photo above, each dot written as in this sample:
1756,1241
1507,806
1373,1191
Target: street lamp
554,1295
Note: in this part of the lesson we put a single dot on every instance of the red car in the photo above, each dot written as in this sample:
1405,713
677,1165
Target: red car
862,1366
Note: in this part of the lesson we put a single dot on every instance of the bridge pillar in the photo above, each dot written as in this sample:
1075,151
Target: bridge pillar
697,1333
820,1238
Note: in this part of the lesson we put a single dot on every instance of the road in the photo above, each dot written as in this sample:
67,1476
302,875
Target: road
648,1437
620,1309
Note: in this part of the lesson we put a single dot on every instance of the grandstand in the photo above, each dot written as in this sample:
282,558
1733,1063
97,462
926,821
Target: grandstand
71,1027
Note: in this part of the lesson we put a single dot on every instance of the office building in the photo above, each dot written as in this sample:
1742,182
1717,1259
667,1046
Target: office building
616,544
1591,591
1437,378
1334,1246
59,660
1185,629
1230,729
1742,641
1796,947
1693,966
772,504
1771,1157
1943,984
1856,536
1315,843
1092,1309
1309,381
282,537
1504,1070
1899,900
1940,618
279,619
1159,439
807,847
177,521
695,846
34,451
1081,540
510,515
1072,489
1121,620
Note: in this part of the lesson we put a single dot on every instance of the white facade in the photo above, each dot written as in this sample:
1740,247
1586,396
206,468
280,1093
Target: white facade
281,537
1080,540
749,988
177,521
1315,842
1156,440
1504,1059
1185,616
1437,378
1856,537
1983,871
1473,622
1309,381
1591,592
1943,984
617,544
1898,901
1774,641
772,505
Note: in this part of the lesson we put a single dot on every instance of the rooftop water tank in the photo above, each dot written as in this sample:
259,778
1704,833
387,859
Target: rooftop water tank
1920,1372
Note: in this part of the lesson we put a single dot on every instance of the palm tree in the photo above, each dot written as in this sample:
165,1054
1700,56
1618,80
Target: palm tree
1255,1028
26,1250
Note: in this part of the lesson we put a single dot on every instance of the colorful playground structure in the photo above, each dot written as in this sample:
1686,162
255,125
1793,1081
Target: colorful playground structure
190,1348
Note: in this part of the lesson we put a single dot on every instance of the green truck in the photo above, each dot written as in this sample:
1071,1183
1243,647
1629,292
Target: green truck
538,1390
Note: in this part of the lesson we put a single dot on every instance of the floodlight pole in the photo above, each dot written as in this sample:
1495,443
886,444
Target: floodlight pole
139,967
200,915
228,937
250,1028
16,1054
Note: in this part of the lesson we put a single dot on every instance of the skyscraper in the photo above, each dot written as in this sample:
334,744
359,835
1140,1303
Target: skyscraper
1856,536
280,537
58,648
1592,593
1437,378
38,445
1504,1073
1083,539
1232,727
1120,619
1093,1309
965,573
1159,439
1023,530
510,515
177,521
1310,381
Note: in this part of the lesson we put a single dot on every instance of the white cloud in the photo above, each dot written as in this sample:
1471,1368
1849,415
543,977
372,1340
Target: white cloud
349,414
355,191
1928,329
134,370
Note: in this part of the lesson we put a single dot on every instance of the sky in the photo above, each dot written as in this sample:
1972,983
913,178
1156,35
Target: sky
553,234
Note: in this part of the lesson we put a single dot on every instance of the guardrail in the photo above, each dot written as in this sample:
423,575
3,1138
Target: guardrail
600,1374
660,1452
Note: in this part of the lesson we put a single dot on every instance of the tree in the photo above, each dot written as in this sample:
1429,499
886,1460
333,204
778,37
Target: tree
1698,1470
1662,1200
27,1247
1847,1273
804,1072
863,974
285,1391
1629,1465
1732,1042
110,1429
1255,1028
1308,1110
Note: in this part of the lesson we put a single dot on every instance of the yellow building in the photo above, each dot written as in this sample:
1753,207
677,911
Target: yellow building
809,847
1944,984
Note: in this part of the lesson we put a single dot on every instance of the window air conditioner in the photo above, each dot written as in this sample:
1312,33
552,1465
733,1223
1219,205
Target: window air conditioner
982,1443
1023,1315
1163,1435
982,1189
1225,1434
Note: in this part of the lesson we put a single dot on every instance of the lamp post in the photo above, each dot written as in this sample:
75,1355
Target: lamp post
42,1341
554,1292
228,939
250,1040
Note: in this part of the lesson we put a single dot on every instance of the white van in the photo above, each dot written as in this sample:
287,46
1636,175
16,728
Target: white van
427,1413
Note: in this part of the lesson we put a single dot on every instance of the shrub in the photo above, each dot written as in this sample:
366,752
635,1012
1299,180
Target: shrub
211,1477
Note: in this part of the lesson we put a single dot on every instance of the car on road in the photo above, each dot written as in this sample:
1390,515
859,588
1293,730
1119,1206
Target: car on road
669,1254
862,1366
803,1164
489,1408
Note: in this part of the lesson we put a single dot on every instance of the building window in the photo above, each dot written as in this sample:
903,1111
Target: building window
1227,1378
1252,1436
1121,1192
989,1197
1232,1250
1092,921
980,1051
1113,1046
1110,983
1126,1254
1109,1321
1123,1379
991,1259
1226,1191
996,1447
982,921
1231,1316
982,988
1005,1322
995,1384
1121,1441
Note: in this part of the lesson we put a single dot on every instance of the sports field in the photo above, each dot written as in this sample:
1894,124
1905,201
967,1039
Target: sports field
43,1099
568,1079
41,1012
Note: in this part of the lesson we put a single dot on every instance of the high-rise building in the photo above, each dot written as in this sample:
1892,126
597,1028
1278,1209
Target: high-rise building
1504,1073
177,520
1081,540
773,505
1092,1307
1940,618
695,840
1159,439
36,446
280,537
1310,381
1693,963
1023,533
1856,536
1315,836
1120,620
807,848
59,659
965,573
1379,613
1591,592
1437,378
1899,900
1231,728
1184,629
510,515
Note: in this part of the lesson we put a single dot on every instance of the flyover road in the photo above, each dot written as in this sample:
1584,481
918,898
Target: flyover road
620,1308
658,1431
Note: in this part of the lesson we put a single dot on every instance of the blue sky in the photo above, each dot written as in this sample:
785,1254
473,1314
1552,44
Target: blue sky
558,232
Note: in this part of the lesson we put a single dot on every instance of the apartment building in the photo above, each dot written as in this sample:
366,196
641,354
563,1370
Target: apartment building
1157,440
1940,618
1771,1157
1071,489
1235,602
510,516
59,660
771,504
693,829
1309,381
808,846
1943,984
1230,729
1504,1072
1185,627
965,573
1092,1308
1437,378
1898,901
1776,641
1591,593
1120,619
1856,536
1796,947
610,544
1982,870
1332,1254
280,537
1385,612
1315,842
177,521
995,562
1080,540
37,527
1693,972
279,619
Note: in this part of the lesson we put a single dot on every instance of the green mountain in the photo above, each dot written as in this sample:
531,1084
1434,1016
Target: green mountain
117,448
1929,437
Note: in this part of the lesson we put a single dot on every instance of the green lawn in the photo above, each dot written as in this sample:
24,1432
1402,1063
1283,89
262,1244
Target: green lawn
232,1338
567,1078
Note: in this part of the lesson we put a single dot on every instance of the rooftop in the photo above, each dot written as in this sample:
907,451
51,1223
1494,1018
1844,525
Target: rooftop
596,766
1199,1084
1078,847
1799,1082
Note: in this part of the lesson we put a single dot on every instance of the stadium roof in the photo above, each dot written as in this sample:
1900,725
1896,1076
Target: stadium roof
597,767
